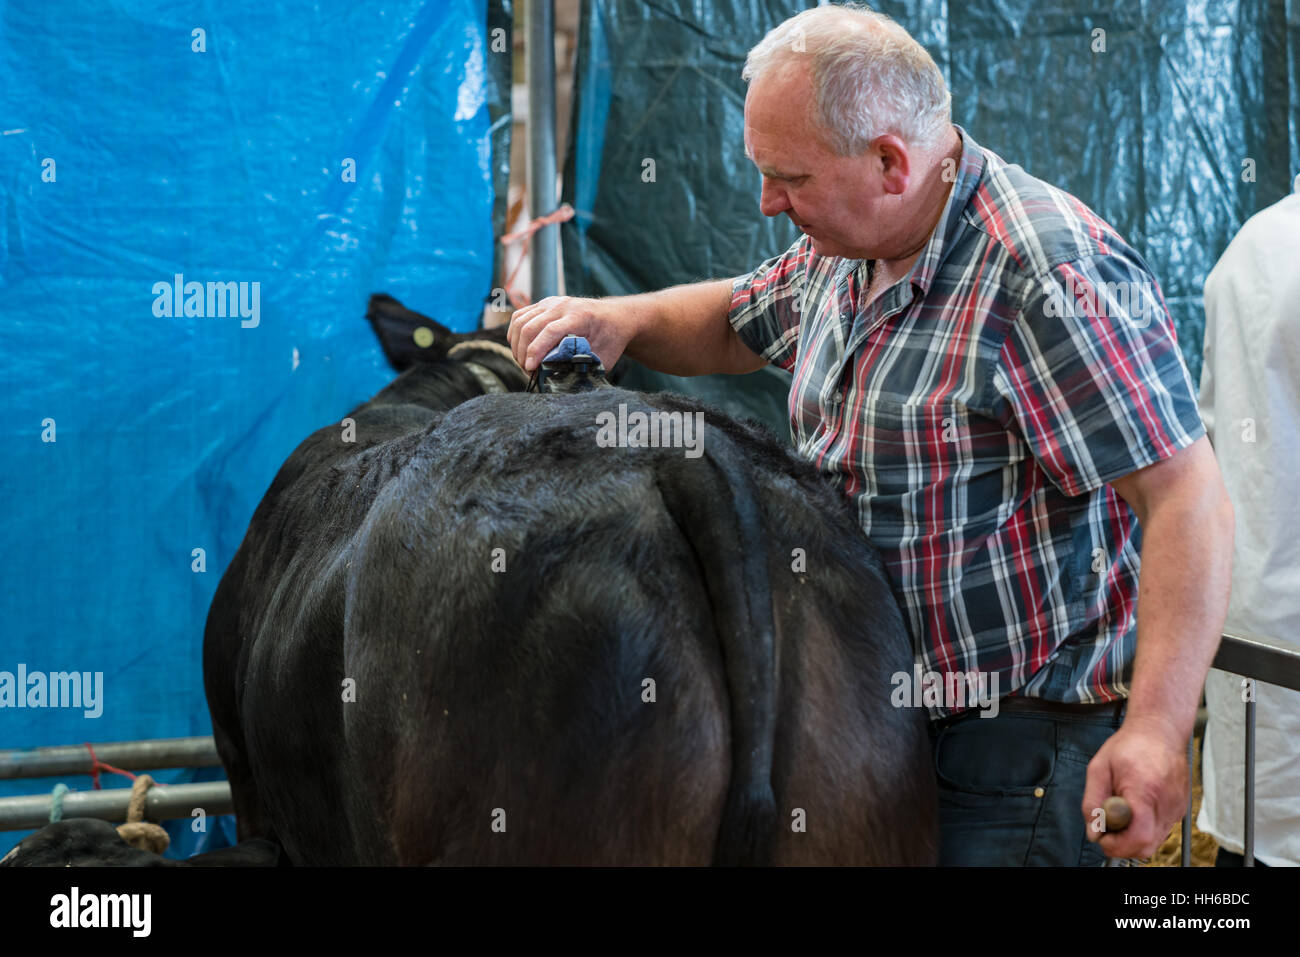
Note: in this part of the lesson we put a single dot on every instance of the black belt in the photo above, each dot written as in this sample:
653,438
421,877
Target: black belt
1021,704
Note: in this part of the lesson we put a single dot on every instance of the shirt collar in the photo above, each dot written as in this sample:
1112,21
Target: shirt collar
970,168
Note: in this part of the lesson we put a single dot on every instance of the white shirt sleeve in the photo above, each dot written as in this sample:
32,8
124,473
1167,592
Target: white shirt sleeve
1250,404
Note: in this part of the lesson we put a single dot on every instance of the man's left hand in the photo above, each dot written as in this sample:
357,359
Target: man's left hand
1147,766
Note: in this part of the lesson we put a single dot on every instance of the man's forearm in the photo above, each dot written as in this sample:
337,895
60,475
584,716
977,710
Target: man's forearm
1182,604
684,331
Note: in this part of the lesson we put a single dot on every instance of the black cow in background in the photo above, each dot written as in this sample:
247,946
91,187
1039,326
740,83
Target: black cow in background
87,842
476,635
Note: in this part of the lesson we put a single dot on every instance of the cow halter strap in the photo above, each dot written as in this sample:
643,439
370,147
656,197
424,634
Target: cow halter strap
492,383
489,380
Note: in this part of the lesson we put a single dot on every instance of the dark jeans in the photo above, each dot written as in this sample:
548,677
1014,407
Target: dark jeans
1011,787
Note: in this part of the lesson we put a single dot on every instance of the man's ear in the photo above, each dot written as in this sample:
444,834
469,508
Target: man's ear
406,336
895,163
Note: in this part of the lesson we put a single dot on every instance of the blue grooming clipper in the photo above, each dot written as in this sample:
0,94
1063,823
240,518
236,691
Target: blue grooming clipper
571,366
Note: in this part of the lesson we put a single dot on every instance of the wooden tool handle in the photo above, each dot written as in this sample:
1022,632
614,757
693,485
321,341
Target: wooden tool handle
1118,813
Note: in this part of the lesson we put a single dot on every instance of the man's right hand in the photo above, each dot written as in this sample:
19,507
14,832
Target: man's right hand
537,329
682,330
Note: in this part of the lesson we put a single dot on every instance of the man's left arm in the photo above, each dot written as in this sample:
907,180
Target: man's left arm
1093,376
1186,563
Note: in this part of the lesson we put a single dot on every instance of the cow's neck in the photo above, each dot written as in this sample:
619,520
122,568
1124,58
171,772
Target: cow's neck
495,360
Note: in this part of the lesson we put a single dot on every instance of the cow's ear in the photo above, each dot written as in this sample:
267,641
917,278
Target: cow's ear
407,337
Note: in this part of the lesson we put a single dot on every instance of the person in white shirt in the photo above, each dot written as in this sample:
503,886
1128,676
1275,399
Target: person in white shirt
1250,403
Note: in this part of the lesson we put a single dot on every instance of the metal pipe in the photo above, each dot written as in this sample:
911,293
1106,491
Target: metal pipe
1265,659
539,55
1256,658
1248,852
161,804
200,752
1187,817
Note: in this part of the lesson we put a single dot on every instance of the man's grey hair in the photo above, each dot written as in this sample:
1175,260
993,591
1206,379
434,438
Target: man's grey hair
869,76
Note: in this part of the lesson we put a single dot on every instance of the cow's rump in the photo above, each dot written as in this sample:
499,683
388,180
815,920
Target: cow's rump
482,637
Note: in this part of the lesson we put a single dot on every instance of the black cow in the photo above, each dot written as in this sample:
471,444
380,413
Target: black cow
476,635
86,842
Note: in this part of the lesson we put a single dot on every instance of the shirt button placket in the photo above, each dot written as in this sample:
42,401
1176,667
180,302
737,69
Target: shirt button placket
837,409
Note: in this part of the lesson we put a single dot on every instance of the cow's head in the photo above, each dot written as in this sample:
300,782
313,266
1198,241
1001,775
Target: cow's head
409,338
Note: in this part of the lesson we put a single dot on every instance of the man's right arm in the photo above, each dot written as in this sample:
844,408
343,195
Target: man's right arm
682,330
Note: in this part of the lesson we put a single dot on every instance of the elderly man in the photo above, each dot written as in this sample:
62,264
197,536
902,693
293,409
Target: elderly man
988,372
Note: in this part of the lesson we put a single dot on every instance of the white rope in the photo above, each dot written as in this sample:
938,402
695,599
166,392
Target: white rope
498,348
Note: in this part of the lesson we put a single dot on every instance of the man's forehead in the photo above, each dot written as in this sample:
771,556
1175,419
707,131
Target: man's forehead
759,150
763,152
782,90
778,102
781,147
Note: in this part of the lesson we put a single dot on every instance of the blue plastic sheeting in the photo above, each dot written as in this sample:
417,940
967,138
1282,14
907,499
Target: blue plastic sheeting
1176,120
136,150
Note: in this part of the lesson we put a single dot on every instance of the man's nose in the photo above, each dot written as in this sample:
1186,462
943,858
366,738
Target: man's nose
773,200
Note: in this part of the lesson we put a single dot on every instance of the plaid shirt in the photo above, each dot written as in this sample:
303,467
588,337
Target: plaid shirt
973,415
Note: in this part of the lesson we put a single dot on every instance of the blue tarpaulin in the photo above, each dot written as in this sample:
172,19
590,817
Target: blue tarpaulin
277,161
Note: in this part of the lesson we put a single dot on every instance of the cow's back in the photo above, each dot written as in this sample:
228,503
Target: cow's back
539,676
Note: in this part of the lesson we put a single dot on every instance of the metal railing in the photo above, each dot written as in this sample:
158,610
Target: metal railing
127,755
539,60
162,803
1259,659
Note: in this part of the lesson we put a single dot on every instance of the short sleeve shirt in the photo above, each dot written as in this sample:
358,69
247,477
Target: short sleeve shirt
974,414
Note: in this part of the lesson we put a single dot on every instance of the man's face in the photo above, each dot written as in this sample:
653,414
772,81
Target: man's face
840,202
